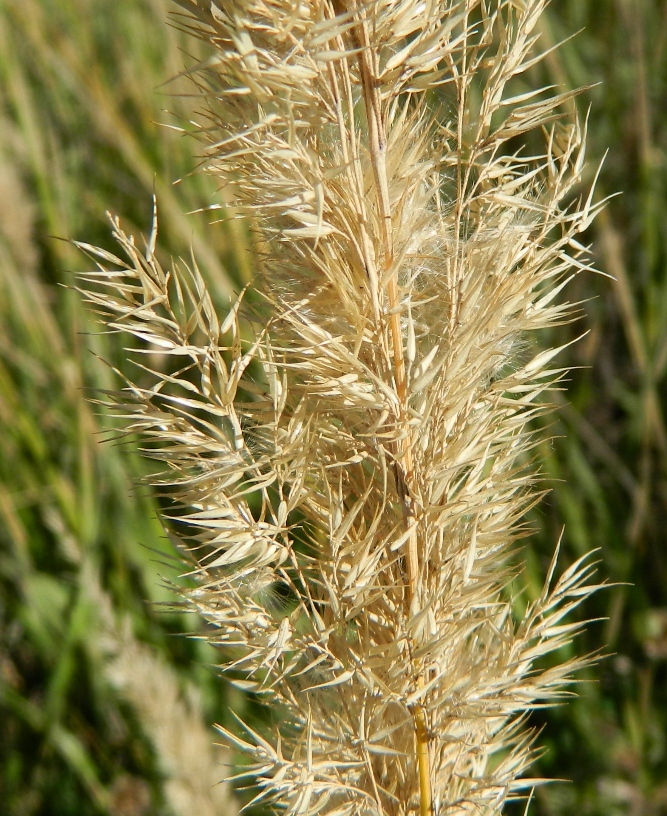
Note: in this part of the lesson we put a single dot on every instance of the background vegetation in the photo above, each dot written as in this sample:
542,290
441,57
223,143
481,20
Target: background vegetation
103,708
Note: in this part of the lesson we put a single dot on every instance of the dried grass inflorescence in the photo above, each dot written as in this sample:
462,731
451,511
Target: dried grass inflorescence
349,453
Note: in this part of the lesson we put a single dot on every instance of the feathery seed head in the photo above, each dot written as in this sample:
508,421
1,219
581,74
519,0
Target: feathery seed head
352,473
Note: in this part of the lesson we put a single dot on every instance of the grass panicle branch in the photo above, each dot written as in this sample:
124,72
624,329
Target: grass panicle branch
349,447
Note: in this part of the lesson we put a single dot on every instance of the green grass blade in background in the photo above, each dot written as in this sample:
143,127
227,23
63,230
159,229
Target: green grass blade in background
82,557
607,468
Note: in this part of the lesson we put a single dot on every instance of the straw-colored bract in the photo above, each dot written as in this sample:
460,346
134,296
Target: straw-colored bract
349,454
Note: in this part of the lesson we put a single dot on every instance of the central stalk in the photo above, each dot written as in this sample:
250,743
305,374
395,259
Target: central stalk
367,59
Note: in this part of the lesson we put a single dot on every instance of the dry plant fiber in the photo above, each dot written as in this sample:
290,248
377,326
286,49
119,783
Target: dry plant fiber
191,767
348,447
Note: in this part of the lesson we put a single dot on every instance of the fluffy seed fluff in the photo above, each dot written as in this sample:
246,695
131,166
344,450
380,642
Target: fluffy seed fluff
348,445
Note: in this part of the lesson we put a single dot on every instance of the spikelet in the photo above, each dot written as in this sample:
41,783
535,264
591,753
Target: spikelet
349,452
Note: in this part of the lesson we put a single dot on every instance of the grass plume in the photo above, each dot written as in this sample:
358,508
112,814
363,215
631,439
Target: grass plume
349,451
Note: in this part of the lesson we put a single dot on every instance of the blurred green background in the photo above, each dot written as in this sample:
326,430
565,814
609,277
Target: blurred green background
104,706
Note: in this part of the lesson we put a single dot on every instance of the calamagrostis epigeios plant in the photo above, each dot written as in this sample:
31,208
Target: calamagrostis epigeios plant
350,454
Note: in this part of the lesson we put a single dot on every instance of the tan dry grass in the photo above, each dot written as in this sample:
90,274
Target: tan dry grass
168,711
192,768
354,476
